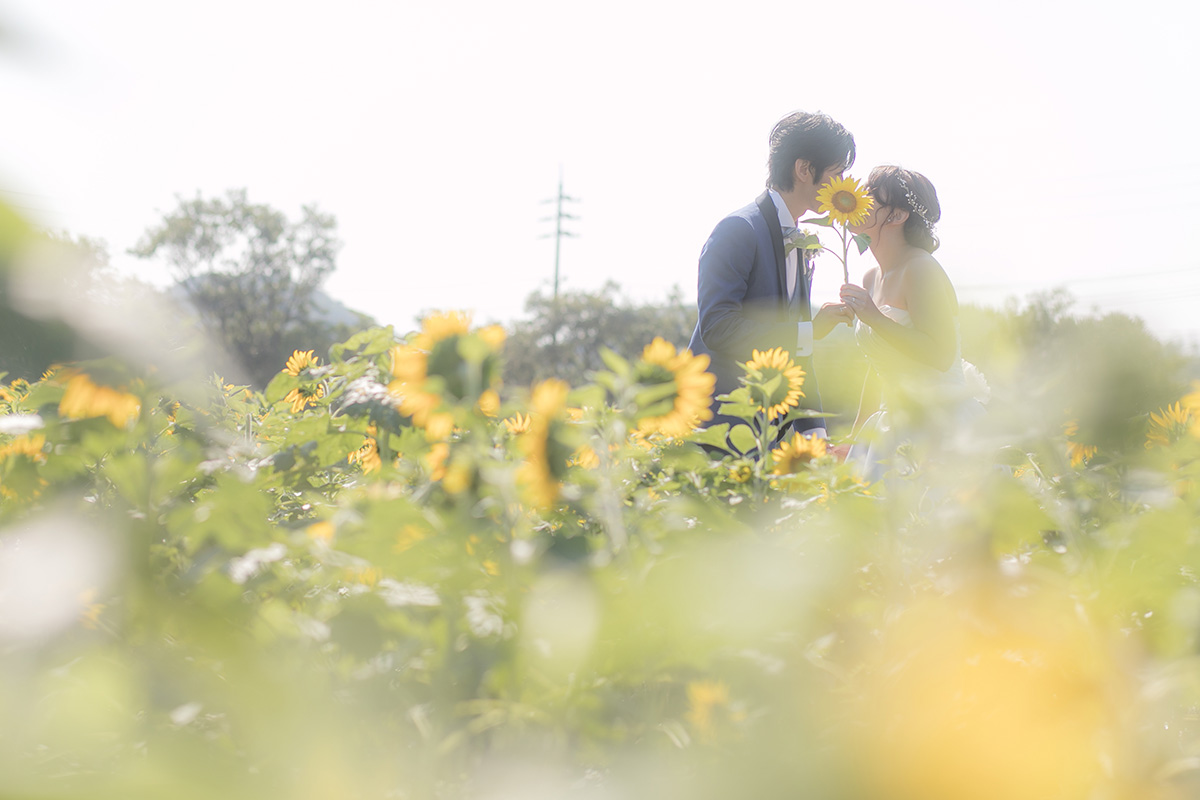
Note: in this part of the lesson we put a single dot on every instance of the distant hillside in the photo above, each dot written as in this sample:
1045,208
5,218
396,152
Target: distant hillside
325,309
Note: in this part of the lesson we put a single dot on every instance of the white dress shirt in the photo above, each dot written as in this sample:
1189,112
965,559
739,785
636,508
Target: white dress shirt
804,332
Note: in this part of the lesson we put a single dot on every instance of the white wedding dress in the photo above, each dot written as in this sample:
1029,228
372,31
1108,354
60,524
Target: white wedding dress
917,402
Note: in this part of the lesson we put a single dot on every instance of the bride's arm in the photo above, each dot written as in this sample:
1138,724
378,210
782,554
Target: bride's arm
929,299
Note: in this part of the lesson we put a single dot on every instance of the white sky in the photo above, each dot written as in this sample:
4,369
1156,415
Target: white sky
1061,136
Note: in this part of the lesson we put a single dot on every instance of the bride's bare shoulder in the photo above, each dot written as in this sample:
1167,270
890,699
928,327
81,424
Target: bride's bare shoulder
925,269
925,277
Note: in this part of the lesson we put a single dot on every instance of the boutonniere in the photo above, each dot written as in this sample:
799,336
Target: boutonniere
800,239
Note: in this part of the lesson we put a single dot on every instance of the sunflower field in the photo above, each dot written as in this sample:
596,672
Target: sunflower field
389,575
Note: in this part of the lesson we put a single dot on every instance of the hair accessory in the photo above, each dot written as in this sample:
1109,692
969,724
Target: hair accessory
914,203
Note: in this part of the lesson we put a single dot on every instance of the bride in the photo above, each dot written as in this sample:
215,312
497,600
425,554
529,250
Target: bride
907,326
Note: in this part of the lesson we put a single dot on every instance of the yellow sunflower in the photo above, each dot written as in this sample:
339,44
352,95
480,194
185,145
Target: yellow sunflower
740,473
585,457
322,531
31,447
304,396
18,464
84,399
1169,425
19,388
762,369
660,364
845,201
409,365
704,698
408,537
442,325
435,461
489,403
367,456
493,336
518,423
299,361
545,458
1078,453
795,452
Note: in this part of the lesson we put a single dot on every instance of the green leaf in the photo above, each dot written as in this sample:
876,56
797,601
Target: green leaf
655,394
745,411
742,438
805,413
336,446
825,221
473,350
43,394
279,386
586,397
366,343
714,436
863,241
770,387
739,395
614,362
129,475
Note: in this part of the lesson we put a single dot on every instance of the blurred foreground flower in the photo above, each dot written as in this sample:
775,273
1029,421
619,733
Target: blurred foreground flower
546,456
518,423
796,452
684,383
704,699
367,457
1168,425
1078,453
775,381
445,363
994,696
84,399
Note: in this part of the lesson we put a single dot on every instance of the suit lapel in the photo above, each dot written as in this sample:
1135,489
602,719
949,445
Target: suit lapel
766,207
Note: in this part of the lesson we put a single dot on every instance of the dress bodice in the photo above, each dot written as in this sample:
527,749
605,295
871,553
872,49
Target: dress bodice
915,398
900,373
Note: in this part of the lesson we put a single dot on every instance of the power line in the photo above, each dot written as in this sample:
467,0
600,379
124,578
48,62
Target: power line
974,287
559,233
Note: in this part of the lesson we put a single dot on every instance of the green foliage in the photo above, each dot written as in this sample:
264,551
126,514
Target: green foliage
251,274
33,337
564,340
384,575
257,598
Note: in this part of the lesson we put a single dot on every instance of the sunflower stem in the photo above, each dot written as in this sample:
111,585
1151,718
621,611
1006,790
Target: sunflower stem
845,255
763,453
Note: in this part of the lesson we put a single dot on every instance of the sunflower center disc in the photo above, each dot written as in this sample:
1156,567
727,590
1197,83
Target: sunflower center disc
845,201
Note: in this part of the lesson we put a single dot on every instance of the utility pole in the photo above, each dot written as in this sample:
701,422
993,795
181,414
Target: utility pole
559,233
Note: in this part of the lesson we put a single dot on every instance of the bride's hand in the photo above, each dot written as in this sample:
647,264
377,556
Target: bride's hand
828,317
860,302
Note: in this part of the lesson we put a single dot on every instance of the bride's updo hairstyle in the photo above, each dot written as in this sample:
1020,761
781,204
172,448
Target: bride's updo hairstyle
897,187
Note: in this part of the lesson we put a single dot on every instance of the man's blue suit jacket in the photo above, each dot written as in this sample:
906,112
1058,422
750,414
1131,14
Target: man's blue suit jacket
743,301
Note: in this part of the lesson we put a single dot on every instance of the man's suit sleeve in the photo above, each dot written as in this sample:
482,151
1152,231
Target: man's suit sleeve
727,324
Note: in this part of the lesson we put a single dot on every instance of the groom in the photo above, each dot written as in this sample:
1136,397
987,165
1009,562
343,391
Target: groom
751,295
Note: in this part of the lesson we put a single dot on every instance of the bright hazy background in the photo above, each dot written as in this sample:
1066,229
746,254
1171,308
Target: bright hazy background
1061,135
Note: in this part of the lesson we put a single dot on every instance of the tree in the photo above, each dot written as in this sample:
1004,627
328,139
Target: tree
44,277
249,272
1103,369
563,339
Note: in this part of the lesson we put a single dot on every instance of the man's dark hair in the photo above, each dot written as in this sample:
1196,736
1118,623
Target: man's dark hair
816,138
